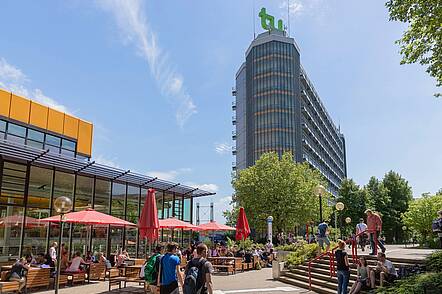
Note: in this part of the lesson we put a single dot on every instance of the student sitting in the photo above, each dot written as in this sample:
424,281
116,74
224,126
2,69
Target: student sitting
363,281
17,273
75,263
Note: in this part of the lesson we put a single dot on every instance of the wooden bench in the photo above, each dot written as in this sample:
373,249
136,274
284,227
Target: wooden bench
115,278
38,278
8,286
97,271
73,278
229,268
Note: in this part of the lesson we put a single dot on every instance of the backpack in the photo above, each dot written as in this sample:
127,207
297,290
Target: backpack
193,281
151,269
436,226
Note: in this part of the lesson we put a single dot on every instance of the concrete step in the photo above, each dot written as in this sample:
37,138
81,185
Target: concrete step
321,276
304,285
324,267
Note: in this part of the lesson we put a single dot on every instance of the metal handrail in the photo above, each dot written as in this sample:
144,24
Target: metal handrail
330,253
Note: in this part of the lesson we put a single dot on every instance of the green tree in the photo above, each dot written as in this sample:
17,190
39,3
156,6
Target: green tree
355,201
420,214
422,41
280,188
399,191
231,216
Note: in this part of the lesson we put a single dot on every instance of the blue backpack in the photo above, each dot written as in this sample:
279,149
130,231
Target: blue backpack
193,281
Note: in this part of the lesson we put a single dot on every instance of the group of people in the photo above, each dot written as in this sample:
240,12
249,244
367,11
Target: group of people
366,276
265,253
163,270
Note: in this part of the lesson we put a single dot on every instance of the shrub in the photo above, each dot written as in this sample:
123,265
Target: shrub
434,262
428,283
302,253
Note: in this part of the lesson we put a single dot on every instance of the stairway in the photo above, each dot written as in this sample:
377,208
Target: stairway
320,274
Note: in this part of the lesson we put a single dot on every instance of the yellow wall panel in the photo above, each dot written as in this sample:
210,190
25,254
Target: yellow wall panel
20,108
70,126
55,121
39,115
84,143
5,102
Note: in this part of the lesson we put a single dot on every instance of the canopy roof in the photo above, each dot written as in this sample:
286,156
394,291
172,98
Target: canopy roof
174,223
214,226
89,217
35,156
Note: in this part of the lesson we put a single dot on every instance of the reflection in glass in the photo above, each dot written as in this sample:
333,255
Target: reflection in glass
11,219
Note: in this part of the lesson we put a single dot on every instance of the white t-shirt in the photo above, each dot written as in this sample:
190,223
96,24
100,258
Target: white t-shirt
53,253
75,264
361,227
390,267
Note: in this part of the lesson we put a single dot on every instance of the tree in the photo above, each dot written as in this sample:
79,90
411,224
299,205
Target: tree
355,201
401,195
422,41
231,216
420,214
280,188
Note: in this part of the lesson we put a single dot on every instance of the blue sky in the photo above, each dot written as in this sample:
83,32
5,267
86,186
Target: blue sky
155,79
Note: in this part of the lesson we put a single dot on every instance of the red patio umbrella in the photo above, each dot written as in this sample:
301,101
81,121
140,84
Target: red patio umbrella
242,226
214,226
174,223
89,217
148,224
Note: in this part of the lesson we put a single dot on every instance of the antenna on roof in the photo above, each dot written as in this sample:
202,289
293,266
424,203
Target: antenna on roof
253,17
288,16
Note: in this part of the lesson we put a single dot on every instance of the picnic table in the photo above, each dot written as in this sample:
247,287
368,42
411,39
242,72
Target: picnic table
229,264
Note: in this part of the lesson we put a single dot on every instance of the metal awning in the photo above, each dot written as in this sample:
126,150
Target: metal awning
15,151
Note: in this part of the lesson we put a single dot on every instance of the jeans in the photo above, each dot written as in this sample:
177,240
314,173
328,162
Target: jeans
372,242
343,277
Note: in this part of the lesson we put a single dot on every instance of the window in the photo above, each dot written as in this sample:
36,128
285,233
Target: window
83,192
2,126
13,183
35,135
16,133
68,144
52,140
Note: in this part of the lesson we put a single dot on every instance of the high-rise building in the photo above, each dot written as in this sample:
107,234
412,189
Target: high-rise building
277,109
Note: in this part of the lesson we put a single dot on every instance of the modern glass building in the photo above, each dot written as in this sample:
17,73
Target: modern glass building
277,109
45,154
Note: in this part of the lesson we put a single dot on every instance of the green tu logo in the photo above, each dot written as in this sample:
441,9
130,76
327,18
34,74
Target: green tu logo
268,21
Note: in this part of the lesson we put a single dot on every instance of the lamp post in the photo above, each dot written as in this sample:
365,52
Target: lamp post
340,207
404,229
269,228
319,191
62,205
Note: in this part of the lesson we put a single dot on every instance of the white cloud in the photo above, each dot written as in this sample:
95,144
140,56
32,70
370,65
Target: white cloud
135,30
106,161
206,187
222,148
14,80
170,175
225,200
295,7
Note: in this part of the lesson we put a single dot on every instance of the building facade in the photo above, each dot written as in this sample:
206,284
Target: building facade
277,109
45,154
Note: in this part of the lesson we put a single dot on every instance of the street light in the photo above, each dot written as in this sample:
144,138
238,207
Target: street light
62,205
348,220
320,190
340,207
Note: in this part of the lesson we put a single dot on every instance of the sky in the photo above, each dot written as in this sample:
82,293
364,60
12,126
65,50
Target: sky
155,78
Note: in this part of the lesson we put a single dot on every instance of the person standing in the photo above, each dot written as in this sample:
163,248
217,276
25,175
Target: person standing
343,268
323,236
374,223
436,226
152,268
169,271
360,229
203,275
53,251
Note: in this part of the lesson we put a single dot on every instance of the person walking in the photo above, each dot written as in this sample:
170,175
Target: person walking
169,271
151,269
374,223
360,229
198,273
323,236
343,268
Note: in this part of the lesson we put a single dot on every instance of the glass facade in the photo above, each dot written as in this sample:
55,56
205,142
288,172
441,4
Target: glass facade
38,139
27,193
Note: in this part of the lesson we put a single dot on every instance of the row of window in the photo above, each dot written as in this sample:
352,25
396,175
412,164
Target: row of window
273,47
28,136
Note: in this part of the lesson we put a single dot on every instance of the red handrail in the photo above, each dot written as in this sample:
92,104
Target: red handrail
354,253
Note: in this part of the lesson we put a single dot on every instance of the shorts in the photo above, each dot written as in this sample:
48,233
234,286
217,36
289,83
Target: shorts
321,241
171,288
389,278
365,285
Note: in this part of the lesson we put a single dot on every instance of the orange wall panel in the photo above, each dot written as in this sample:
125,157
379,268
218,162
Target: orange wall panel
70,128
55,121
84,143
20,108
39,115
5,102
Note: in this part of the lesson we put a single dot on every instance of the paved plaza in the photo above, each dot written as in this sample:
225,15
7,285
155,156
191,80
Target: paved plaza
248,282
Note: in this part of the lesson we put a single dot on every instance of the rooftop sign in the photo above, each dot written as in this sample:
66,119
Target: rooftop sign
268,21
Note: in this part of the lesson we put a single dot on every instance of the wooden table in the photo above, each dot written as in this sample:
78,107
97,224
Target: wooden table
231,264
